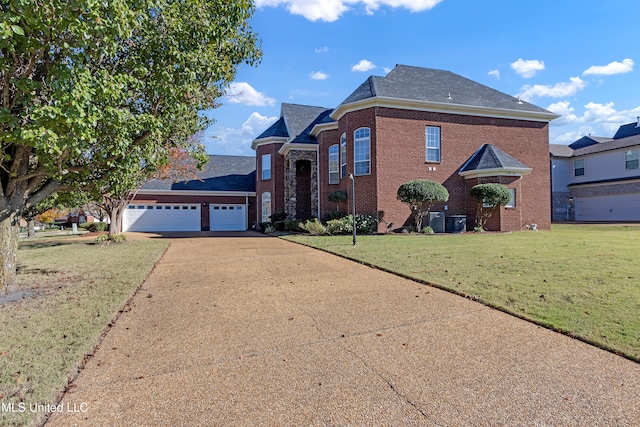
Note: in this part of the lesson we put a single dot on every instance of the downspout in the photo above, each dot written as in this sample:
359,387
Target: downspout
246,215
318,179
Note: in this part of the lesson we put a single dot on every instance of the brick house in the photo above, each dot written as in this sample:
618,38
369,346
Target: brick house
597,178
221,198
413,123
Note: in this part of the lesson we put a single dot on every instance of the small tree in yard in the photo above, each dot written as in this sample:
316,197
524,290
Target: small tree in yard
93,91
337,197
490,197
420,195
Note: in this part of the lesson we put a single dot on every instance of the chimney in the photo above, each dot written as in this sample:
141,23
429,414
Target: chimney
638,122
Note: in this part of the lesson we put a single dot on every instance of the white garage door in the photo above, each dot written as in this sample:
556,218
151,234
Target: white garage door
617,207
228,217
161,217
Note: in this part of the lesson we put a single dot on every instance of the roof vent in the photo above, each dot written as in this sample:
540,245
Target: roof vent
519,100
638,122
449,97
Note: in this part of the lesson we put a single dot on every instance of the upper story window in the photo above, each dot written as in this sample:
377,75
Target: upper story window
333,165
433,144
266,207
631,159
343,155
578,167
362,151
266,166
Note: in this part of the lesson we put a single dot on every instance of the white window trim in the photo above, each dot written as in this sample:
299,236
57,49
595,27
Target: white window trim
343,155
633,153
266,159
429,148
512,203
575,169
360,140
265,198
336,172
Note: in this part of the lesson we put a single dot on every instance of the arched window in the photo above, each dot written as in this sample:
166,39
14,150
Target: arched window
333,165
362,151
343,155
266,206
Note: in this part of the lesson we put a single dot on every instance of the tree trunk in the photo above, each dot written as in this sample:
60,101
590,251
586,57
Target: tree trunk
8,251
31,228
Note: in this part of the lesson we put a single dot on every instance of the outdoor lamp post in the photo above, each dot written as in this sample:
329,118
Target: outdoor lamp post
353,205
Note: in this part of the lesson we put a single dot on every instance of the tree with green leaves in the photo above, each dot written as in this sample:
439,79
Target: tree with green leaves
420,195
490,197
91,91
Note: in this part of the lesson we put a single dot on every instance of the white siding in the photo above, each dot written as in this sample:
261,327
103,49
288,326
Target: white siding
604,165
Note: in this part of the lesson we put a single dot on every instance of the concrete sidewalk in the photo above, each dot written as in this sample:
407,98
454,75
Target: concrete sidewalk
258,331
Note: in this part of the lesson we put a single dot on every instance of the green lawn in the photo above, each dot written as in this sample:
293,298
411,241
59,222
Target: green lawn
77,288
582,280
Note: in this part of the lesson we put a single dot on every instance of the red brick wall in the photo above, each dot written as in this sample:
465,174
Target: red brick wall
399,147
365,185
275,185
325,140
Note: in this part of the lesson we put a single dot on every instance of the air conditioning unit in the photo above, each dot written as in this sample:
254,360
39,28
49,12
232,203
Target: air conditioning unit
436,221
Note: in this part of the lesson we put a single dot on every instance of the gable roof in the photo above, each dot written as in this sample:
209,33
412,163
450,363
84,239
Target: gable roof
560,150
490,160
628,135
295,124
630,129
586,141
221,173
441,90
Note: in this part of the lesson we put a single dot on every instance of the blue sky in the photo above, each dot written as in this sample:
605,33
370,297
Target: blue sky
575,58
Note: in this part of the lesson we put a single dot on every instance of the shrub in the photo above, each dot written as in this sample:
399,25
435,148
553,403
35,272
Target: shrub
336,215
94,226
427,230
490,198
278,216
269,228
279,225
313,227
343,225
292,224
420,195
365,224
107,238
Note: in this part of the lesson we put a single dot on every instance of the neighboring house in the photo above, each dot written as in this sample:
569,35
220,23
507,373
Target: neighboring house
222,198
413,123
597,179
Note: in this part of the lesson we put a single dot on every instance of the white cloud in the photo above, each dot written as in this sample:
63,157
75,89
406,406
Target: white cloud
593,113
564,109
237,141
386,70
495,73
363,66
323,49
527,68
318,75
614,67
244,93
331,10
559,90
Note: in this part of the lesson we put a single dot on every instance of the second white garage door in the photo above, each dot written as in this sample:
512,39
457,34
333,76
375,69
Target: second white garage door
227,217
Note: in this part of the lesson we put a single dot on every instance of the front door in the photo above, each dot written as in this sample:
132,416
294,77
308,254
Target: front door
303,189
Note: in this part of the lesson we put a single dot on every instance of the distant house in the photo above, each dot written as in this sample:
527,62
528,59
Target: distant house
222,198
413,123
596,178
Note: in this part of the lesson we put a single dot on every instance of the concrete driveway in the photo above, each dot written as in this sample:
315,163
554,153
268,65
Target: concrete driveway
252,330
